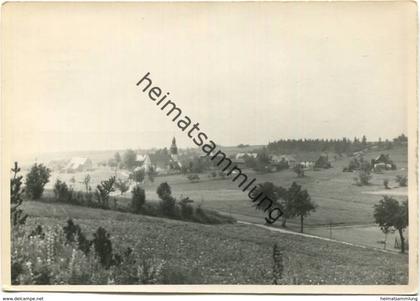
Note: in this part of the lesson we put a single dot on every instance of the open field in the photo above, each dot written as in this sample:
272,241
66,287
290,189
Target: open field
231,254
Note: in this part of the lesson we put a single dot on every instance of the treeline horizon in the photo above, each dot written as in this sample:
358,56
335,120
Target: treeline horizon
339,146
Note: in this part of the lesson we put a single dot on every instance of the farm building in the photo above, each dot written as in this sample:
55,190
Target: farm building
78,164
57,165
144,162
307,164
242,155
382,159
383,162
291,160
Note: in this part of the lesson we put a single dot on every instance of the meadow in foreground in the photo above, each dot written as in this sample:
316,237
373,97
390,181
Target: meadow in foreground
175,252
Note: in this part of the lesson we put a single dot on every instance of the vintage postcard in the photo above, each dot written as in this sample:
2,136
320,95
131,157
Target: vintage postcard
210,147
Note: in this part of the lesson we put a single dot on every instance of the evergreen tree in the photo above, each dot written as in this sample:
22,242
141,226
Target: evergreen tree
17,216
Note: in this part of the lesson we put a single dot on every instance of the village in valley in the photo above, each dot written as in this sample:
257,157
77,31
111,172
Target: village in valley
318,166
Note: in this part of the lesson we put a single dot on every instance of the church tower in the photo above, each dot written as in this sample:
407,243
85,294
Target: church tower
174,150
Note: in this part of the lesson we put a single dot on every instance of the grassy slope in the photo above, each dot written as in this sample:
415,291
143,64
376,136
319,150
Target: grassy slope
230,253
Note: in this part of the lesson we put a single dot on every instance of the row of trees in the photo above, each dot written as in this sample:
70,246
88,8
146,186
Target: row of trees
101,197
339,146
170,207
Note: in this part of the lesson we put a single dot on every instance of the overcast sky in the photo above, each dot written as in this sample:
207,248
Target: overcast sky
248,73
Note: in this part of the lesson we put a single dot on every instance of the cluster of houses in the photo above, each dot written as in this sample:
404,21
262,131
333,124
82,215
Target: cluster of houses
75,164
378,164
306,160
167,161
163,163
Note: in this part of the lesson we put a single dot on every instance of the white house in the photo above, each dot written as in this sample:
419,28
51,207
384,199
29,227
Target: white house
144,162
242,155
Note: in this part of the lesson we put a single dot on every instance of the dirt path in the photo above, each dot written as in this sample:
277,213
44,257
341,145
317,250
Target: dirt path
388,192
316,237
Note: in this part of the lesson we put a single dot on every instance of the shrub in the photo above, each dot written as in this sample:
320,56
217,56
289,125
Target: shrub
168,206
84,199
129,159
138,199
298,169
122,186
65,194
103,191
163,190
194,178
386,183
103,247
363,177
206,216
151,209
401,180
73,233
200,216
35,181
62,192
137,176
187,211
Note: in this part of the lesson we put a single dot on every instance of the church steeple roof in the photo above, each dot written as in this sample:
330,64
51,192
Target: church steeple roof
174,148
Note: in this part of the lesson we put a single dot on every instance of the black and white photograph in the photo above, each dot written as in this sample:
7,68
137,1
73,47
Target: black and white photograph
210,147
